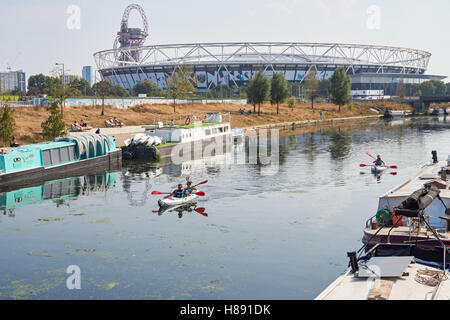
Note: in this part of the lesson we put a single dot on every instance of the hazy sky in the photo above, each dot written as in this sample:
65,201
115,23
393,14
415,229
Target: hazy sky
35,35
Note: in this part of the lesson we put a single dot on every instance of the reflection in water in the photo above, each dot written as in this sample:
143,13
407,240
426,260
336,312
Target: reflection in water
340,142
57,190
180,210
138,172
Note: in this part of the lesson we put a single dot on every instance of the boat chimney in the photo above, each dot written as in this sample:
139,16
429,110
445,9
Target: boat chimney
435,157
353,261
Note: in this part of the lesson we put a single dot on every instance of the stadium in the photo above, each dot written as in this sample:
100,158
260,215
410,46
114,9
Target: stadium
234,64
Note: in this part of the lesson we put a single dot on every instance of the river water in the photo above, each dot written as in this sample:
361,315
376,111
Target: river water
255,235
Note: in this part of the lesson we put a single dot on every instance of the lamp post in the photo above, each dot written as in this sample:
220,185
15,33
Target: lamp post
64,90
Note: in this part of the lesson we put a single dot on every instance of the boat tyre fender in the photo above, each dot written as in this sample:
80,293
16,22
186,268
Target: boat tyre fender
187,121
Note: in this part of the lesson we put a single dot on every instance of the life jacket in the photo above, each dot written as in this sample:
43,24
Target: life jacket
178,194
379,163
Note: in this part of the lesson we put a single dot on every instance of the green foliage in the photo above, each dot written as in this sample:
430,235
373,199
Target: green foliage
324,87
260,89
179,85
38,84
278,90
340,86
311,87
432,88
80,87
7,125
222,91
149,88
118,91
427,88
103,89
292,102
54,126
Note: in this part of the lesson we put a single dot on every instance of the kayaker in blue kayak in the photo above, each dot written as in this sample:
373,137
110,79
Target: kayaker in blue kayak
180,192
191,189
379,162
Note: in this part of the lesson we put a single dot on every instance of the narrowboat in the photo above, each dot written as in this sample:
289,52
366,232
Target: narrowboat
60,158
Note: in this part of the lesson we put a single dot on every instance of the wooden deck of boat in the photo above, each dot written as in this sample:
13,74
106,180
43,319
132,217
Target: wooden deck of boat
349,287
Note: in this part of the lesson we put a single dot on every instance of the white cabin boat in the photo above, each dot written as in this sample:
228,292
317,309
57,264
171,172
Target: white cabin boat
212,127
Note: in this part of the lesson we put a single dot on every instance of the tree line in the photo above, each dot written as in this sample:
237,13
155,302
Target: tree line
337,89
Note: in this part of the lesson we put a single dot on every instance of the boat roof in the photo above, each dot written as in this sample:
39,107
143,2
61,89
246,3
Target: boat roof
43,146
405,287
427,174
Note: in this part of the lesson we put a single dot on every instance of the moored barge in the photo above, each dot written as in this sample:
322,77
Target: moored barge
57,159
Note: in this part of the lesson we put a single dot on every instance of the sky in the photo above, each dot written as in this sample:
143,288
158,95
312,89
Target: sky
36,34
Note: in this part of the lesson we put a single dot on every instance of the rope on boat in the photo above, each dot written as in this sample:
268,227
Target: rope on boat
431,278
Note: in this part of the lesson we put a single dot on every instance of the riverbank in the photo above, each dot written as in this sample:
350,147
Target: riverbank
28,120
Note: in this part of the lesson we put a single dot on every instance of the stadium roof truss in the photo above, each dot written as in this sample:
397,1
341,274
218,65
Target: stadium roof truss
266,55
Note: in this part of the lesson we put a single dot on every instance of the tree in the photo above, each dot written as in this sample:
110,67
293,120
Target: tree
292,102
102,89
427,88
250,90
448,89
118,91
61,91
7,125
148,87
340,86
278,90
324,87
179,85
401,89
81,87
439,88
54,126
261,89
312,87
37,84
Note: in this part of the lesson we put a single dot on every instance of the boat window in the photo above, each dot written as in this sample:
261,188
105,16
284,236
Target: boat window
65,154
46,157
56,157
72,153
226,129
220,129
207,132
214,131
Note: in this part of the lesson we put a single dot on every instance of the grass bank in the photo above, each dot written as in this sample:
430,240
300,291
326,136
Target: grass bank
28,120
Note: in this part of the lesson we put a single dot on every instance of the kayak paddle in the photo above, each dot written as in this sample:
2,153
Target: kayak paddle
367,165
370,155
201,211
204,182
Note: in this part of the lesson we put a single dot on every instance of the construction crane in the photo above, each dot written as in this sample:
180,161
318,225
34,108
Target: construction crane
129,38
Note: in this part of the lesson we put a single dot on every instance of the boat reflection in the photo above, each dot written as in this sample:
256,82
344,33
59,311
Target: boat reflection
191,208
57,190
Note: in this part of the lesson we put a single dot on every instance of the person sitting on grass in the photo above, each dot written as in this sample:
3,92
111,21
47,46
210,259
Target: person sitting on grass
13,143
118,123
83,124
76,126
